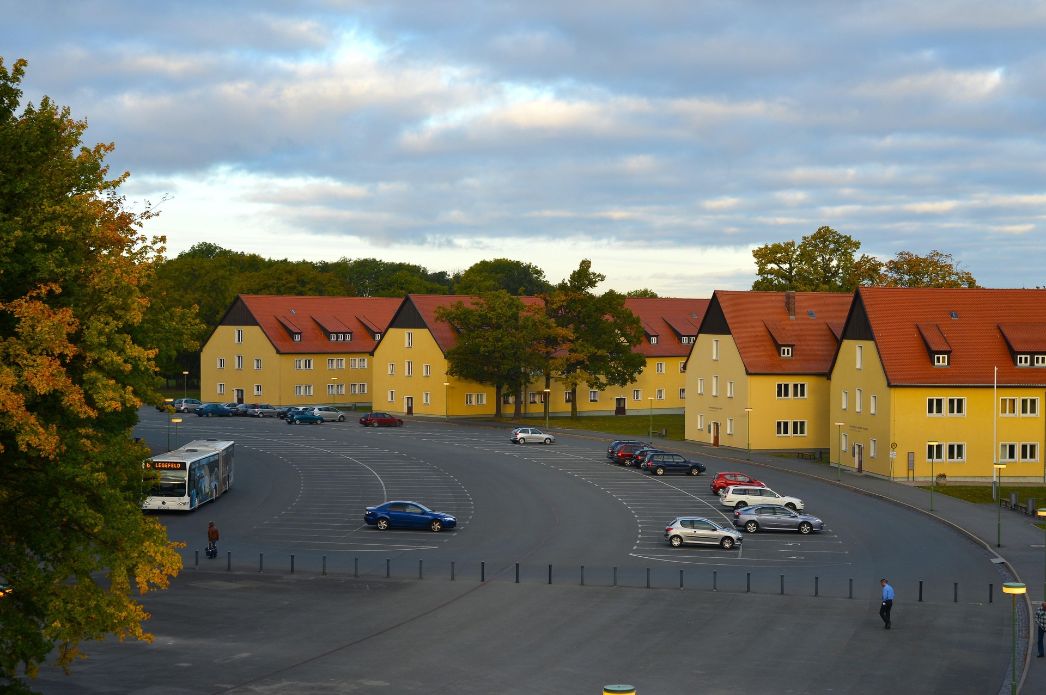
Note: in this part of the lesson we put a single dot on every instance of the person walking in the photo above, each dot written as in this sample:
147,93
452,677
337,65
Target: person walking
884,610
1040,624
212,540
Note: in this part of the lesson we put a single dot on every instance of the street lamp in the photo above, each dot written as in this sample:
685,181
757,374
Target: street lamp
1015,589
175,420
185,384
748,436
547,392
998,505
932,446
839,437
446,400
1041,513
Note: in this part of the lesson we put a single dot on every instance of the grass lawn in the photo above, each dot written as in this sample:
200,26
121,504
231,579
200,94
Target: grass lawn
982,494
637,426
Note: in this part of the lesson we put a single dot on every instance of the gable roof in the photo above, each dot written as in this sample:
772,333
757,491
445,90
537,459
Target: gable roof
981,328
762,322
314,318
419,311
670,319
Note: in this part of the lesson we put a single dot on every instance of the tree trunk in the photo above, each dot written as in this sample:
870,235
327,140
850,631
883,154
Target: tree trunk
497,400
573,401
517,408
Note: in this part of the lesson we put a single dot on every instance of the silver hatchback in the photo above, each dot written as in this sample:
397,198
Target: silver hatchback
697,530
772,517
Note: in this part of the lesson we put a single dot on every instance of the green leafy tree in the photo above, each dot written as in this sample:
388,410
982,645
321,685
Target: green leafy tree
936,269
74,545
599,335
642,292
514,277
370,277
825,261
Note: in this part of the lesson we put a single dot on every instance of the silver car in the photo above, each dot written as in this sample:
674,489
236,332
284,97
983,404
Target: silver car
261,410
524,435
773,517
697,530
186,405
329,413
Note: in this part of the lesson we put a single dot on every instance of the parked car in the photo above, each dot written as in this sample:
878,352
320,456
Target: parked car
722,481
242,409
623,454
526,435
305,416
231,406
402,514
380,420
186,405
697,530
213,410
291,410
262,410
662,462
612,449
772,517
738,496
639,458
329,413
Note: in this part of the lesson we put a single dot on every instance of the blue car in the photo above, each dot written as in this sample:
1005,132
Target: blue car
402,514
213,410
303,417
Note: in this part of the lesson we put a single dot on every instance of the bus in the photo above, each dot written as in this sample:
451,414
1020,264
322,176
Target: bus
183,479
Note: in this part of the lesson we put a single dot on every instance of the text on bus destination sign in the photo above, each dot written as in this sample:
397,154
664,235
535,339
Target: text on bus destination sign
176,465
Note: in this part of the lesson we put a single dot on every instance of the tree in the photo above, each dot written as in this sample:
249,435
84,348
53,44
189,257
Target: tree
643,293
824,261
599,334
499,342
74,545
936,269
515,277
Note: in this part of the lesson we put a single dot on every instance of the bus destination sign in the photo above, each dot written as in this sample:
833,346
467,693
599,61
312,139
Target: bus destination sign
166,465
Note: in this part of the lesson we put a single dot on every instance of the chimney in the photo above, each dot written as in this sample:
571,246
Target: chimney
790,304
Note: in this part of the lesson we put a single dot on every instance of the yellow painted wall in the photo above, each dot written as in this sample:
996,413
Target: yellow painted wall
866,426
768,409
704,409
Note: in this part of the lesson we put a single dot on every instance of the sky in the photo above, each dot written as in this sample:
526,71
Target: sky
663,140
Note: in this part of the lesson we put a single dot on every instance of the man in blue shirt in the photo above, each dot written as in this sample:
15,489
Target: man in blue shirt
884,611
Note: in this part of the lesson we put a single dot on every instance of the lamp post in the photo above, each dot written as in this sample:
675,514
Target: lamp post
1041,513
932,446
998,505
1014,589
748,435
175,420
546,392
446,400
651,403
185,384
839,438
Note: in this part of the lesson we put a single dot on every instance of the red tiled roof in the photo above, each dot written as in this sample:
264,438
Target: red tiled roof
669,318
442,332
971,320
279,316
1025,337
934,338
750,316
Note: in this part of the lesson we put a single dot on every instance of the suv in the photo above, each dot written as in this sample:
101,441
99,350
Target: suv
186,405
722,481
261,410
661,462
699,530
522,435
738,496
329,413
612,449
623,454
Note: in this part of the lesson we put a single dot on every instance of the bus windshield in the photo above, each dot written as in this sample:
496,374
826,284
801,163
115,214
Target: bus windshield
168,484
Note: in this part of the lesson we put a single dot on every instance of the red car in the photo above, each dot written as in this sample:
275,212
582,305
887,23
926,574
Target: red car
725,480
623,455
380,420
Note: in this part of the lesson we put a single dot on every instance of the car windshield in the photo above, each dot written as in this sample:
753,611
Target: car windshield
424,509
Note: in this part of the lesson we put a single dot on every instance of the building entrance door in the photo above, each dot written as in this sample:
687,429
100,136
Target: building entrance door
408,405
619,405
715,434
859,457
238,395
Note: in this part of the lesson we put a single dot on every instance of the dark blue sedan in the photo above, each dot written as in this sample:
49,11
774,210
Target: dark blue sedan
213,410
303,417
401,514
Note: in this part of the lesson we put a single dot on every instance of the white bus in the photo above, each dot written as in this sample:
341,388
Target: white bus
199,472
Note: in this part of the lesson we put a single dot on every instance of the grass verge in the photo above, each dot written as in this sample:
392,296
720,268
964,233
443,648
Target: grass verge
638,426
982,494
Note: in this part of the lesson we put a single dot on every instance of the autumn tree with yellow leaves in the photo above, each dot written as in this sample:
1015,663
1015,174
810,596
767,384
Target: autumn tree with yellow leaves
75,548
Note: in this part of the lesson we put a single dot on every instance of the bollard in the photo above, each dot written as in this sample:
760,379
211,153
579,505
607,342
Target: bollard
817,588
615,576
680,579
420,574
483,571
920,591
292,563
355,567
991,592
782,585
648,577
851,588
197,559
451,570
388,568
323,572
619,690
955,592
582,575
228,561
550,574
748,582
261,561
715,580
517,573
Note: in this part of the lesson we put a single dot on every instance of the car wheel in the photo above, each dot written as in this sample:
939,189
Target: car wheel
791,506
547,440
695,471
740,505
805,527
727,543
751,526
383,524
675,541
341,418
659,471
436,526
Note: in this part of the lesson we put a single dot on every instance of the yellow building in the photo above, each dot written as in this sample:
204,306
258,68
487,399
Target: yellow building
757,376
288,350
941,381
410,365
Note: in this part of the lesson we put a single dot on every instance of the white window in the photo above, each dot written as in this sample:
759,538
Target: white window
221,389
296,337
843,442
935,406
700,386
1029,451
799,390
533,397
682,394
392,396
729,389
239,361
470,399
1008,451
957,406
1040,360
715,348
956,452
729,425
845,400
408,368
660,367
637,395
1008,406
873,401
377,337
354,363
873,448
682,366
408,339
221,363
359,388
786,351
426,370
257,389
798,428
239,335
784,390
935,452
426,398
700,422
860,356
1023,360
593,396
336,389
688,339
392,369
784,428
1030,407
940,359
335,363
858,393
660,394
303,389
257,363
715,386
363,363
653,340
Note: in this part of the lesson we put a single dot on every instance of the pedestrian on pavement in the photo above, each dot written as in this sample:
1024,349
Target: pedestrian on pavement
212,540
884,611
1040,623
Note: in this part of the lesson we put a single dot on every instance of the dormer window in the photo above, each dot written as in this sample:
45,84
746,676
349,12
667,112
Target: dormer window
940,359
377,336
653,340
1023,360
786,351
296,337
1040,360
687,339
